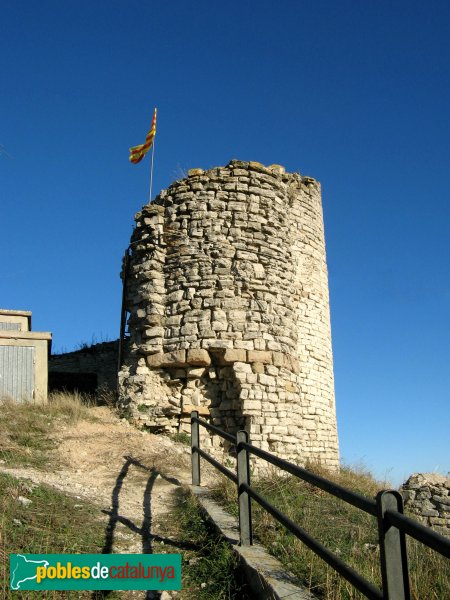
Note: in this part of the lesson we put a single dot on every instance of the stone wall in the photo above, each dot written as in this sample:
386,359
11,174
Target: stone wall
88,369
227,294
427,497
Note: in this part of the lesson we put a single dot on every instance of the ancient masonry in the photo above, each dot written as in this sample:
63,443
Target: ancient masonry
227,293
92,369
427,497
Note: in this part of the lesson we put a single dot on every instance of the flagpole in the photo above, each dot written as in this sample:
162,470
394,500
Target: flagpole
151,171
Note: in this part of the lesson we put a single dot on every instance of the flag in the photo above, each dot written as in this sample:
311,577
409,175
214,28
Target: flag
137,153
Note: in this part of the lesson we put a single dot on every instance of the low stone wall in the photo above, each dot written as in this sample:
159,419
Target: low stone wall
94,366
427,497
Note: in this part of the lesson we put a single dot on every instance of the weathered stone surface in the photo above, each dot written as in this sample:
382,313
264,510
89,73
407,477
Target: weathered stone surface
228,271
427,497
155,360
177,358
231,356
194,172
198,357
100,359
202,410
259,356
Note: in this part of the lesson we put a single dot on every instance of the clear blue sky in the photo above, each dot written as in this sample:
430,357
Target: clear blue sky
353,93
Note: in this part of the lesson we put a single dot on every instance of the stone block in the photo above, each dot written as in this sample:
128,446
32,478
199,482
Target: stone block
290,387
244,345
175,296
280,429
153,332
219,326
189,329
266,380
251,405
291,363
177,358
195,372
429,513
238,316
215,345
233,355
198,357
195,172
155,360
242,367
277,358
260,356
257,367
277,169
271,370
442,500
439,521
188,408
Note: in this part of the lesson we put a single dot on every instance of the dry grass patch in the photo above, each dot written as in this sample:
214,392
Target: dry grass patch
348,532
26,427
50,522
210,567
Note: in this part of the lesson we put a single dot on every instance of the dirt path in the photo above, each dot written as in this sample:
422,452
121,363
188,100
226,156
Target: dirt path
132,477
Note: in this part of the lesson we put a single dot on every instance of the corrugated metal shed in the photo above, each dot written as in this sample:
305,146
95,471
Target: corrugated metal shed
23,357
10,326
17,365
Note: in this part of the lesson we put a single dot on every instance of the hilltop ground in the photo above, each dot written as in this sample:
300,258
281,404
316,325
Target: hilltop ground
130,486
131,476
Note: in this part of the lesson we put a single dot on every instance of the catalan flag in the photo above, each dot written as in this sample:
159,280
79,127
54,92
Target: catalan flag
137,153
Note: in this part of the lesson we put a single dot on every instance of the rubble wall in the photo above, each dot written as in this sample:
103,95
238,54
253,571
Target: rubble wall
98,359
227,294
427,497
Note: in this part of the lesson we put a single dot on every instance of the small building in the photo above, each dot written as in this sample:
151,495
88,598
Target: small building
23,357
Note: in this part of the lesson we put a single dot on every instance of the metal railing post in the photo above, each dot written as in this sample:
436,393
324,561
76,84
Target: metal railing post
394,562
195,444
243,473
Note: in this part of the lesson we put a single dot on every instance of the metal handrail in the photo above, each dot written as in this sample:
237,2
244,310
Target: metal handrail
422,534
218,466
387,508
213,428
365,504
359,582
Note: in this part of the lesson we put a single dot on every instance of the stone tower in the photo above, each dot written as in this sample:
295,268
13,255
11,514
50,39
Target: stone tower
227,293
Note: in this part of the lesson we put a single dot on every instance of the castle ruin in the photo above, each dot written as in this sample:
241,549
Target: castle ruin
226,291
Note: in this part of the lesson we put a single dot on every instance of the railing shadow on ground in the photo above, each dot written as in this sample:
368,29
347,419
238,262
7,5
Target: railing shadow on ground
144,530
393,525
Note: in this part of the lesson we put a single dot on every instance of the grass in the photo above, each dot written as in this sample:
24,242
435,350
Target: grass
182,438
57,523
209,565
348,532
25,427
52,523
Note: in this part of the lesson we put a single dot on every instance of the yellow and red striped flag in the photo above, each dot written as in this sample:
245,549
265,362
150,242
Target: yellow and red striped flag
137,153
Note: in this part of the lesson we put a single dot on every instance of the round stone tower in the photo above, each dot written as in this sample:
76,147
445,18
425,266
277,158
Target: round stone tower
226,288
